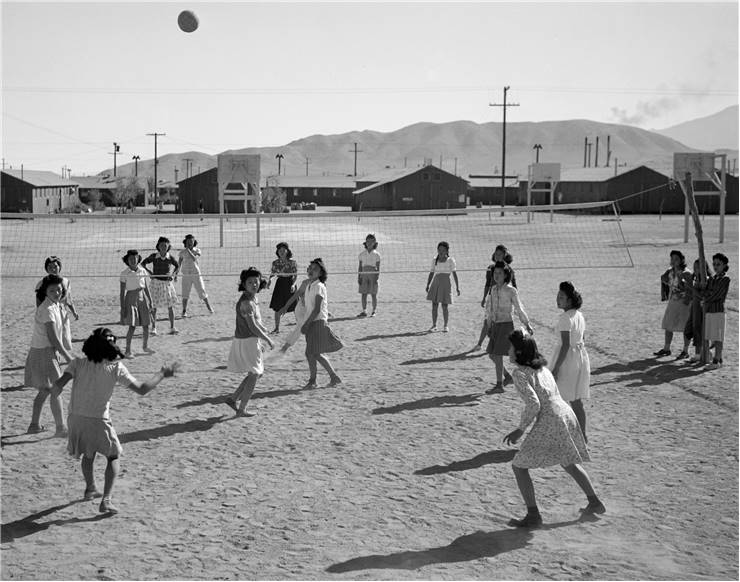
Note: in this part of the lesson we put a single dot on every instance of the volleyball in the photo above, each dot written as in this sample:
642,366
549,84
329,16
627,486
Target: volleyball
187,21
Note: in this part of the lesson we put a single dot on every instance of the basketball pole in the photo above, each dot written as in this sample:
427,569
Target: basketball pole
688,189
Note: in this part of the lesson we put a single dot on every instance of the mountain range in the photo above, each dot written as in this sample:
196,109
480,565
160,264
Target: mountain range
466,147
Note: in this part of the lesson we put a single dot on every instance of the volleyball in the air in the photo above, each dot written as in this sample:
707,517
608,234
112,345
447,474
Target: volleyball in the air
187,21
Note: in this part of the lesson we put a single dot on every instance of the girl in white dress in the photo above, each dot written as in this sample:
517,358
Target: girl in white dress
572,369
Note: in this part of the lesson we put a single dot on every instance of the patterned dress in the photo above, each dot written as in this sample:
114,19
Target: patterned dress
284,285
555,437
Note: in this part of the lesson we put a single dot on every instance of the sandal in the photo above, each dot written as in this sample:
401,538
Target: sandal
682,355
662,352
91,494
497,389
107,507
594,507
310,385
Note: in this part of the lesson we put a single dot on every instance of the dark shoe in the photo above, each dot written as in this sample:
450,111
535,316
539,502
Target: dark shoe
682,356
91,494
508,379
61,432
594,507
662,352
335,381
497,389
231,403
529,520
310,385
35,428
107,507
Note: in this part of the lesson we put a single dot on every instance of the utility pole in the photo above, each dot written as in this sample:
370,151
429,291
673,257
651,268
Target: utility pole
356,151
537,147
608,150
585,150
503,148
176,171
156,163
307,161
455,166
589,153
596,155
440,161
136,165
116,149
188,166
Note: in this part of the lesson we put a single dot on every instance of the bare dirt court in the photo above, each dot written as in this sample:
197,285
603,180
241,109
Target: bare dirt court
400,473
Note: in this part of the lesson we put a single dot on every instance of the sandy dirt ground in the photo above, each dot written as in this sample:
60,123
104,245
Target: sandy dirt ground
399,473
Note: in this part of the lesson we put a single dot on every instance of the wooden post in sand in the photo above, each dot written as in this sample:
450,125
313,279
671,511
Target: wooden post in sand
689,193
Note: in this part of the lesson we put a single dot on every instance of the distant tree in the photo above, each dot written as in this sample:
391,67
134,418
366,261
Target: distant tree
274,199
126,189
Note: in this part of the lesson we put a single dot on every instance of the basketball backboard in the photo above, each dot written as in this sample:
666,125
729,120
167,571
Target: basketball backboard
699,164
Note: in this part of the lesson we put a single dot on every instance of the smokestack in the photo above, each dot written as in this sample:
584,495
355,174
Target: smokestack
596,156
585,150
608,150
589,154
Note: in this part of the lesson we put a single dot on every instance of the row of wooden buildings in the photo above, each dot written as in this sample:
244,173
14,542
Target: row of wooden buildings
638,190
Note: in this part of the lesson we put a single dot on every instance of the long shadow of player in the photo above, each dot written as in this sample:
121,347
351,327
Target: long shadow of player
27,526
496,456
433,402
147,434
481,544
391,335
451,358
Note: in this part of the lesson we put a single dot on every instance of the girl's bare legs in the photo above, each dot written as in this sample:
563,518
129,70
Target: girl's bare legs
577,406
277,322
435,310
581,477
154,320
111,472
171,316
326,364
499,363
208,304
57,411
375,302
311,370
363,301
184,306
129,337
247,389
526,489
668,340
38,405
482,335
445,313
87,465
144,337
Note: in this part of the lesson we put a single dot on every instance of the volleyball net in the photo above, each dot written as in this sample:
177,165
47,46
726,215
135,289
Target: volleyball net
539,237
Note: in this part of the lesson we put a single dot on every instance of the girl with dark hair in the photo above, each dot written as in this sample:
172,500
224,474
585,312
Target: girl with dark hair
190,271
555,437
502,301
47,345
246,347
694,330
368,274
90,429
500,255
320,339
439,287
136,302
572,368
164,271
53,266
674,284
714,299
285,269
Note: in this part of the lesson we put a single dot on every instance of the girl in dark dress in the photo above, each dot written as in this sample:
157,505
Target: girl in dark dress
285,269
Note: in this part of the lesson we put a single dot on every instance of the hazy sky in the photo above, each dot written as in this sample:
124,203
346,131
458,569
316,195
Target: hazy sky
79,76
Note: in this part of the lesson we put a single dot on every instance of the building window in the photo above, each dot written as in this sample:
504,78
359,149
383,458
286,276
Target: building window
425,176
437,176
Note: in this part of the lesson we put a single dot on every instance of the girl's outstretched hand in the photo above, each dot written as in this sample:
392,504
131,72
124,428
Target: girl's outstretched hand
169,371
513,436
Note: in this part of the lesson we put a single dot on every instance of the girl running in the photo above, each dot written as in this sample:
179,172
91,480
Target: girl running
439,287
47,345
555,437
502,300
320,339
368,274
190,271
572,368
90,429
135,300
246,348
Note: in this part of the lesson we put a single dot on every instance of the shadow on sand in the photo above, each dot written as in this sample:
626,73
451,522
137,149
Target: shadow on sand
27,526
497,456
392,335
451,358
210,339
12,388
147,434
434,402
480,544
649,371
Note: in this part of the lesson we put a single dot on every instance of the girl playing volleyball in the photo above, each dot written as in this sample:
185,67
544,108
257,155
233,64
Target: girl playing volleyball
90,429
190,271
164,271
53,266
500,254
246,347
368,273
47,344
135,300
439,287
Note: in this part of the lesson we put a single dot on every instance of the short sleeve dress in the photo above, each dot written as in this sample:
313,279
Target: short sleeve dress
555,437
574,375
42,362
284,285
440,289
